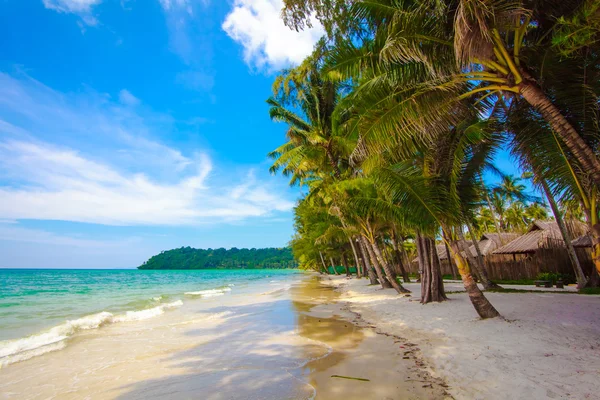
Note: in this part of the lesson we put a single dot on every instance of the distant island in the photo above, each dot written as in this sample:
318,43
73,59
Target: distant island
190,258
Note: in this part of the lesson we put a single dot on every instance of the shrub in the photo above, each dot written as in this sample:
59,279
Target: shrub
553,277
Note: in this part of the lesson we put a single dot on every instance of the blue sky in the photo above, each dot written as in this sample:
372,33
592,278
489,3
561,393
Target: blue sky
128,127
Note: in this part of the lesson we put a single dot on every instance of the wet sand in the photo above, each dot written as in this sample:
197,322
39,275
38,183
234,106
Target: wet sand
284,341
389,367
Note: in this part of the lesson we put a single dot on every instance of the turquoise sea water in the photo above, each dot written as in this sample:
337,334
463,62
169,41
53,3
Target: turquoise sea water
38,307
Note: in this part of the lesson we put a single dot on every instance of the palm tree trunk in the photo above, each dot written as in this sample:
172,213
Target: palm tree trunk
333,266
365,257
345,264
432,285
450,261
358,274
581,279
380,276
324,265
336,170
482,306
489,203
398,258
482,272
534,95
388,271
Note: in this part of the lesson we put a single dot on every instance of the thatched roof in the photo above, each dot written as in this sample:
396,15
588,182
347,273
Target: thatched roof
582,241
487,243
491,241
539,235
441,250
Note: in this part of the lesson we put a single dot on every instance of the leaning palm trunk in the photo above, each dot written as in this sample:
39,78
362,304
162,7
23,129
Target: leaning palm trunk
581,279
492,213
345,264
333,266
380,276
432,285
323,261
484,308
450,261
480,263
365,257
399,260
356,262
534,95
595,235
388,271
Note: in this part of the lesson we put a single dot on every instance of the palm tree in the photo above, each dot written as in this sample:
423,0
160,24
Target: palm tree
484,220
515,217
536,212
511,189
499,206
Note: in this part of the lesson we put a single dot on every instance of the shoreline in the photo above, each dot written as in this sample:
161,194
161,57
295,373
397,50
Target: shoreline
548,346
289,338
364,363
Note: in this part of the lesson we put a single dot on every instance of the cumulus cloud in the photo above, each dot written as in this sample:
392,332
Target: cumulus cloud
85,158
83,8
267,42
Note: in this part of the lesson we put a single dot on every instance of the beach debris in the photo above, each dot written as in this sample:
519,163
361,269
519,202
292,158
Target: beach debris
351,377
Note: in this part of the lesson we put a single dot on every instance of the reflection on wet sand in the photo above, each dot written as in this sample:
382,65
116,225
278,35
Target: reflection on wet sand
362,364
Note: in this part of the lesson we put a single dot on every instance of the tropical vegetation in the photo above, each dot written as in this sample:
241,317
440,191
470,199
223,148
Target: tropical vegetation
395,120
190,258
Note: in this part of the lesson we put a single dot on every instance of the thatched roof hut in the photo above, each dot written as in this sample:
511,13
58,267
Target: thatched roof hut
541,234
441,250
582,241
491,241
487,243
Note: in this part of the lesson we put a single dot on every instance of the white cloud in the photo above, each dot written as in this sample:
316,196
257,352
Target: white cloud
85,158
60,184
71,6
83,8
125,97
267,42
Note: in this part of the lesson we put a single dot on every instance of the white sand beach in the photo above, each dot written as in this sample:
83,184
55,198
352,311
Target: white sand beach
548,347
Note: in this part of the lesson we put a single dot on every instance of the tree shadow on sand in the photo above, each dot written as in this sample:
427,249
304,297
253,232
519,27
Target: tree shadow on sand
261,351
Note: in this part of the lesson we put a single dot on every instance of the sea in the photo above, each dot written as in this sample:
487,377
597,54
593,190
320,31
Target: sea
41,309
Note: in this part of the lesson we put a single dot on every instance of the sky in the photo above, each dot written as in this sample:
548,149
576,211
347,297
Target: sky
128,127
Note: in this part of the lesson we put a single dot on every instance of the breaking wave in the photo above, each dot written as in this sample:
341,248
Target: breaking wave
16,350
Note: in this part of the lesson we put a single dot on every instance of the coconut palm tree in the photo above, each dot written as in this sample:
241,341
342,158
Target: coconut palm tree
436,53
511,189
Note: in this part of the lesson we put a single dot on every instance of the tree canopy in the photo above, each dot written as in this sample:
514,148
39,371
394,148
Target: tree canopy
190,258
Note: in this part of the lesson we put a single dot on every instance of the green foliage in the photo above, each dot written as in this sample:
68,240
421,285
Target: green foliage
579,30
590,290
189,258
553,277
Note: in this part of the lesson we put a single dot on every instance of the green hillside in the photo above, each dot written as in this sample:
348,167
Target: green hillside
190,258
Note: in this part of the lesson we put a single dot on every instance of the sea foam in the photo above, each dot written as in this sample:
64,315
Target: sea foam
16,350
209,292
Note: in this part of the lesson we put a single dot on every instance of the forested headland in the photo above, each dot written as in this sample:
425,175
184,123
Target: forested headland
190,258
